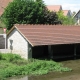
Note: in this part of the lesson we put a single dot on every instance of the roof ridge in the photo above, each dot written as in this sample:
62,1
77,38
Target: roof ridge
47,24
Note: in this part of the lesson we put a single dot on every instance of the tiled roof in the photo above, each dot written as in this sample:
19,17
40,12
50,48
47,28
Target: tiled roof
65,12
49,34
3,4
55,8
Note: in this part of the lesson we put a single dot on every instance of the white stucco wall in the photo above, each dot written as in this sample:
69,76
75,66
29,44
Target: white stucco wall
77,19
69,14
19,44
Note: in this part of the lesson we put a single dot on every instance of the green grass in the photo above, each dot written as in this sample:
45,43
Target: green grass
13,65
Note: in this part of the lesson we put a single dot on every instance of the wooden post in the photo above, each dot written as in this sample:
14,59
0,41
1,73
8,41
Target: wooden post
75,46
29,54
50,52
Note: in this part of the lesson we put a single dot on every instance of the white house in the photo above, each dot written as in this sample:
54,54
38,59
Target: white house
77,18
35,41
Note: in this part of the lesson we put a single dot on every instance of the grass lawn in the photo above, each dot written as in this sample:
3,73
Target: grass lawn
13,65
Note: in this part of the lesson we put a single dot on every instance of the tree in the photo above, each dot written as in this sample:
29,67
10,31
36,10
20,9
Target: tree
73,13
28,12
65,19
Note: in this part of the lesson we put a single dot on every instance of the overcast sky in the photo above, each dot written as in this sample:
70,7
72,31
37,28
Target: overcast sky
73,5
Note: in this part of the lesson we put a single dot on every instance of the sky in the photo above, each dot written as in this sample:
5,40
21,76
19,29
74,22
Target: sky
73,5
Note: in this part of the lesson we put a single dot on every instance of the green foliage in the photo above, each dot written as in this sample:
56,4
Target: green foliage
0,56
65,19
73,13
9,57
28,12
2,24
27,67
51,18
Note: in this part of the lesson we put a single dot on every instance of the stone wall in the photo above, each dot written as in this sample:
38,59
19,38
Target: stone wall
18,44
4,51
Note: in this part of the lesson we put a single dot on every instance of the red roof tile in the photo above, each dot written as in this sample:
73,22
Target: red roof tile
55,8
65,12
3,4
50,34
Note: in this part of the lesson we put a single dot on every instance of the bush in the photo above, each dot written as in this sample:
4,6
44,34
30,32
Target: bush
0,56
10,57
13,65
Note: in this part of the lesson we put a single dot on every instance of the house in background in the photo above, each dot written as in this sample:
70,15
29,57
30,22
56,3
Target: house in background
57,8
3,5
50,41
67,13
2,38
77,18
54,8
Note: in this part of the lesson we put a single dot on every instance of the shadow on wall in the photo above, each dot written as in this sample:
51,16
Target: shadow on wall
11,47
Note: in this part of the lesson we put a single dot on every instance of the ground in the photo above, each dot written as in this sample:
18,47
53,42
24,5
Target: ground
73,75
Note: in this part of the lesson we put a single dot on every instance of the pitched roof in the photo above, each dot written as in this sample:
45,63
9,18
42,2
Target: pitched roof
3,4
76,13
49,34
55,8
65,12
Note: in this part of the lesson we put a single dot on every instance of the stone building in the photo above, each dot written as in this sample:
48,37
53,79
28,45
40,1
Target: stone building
50,41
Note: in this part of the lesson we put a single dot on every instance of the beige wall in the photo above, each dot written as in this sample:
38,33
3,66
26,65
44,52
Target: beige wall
18,44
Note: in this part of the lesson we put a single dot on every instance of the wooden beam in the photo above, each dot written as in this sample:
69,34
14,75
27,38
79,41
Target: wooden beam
75,47
50,51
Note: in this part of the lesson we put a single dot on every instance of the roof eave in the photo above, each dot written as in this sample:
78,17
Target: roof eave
14,27
76,13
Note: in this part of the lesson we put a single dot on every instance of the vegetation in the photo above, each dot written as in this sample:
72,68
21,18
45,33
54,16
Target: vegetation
28,12
73,13
2,24
13,65
65,19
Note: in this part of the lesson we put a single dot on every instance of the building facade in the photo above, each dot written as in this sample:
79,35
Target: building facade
50,41
77,18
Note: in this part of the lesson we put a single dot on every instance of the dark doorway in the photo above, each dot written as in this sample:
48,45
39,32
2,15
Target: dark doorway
40,52
63,52
59,52
78,51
